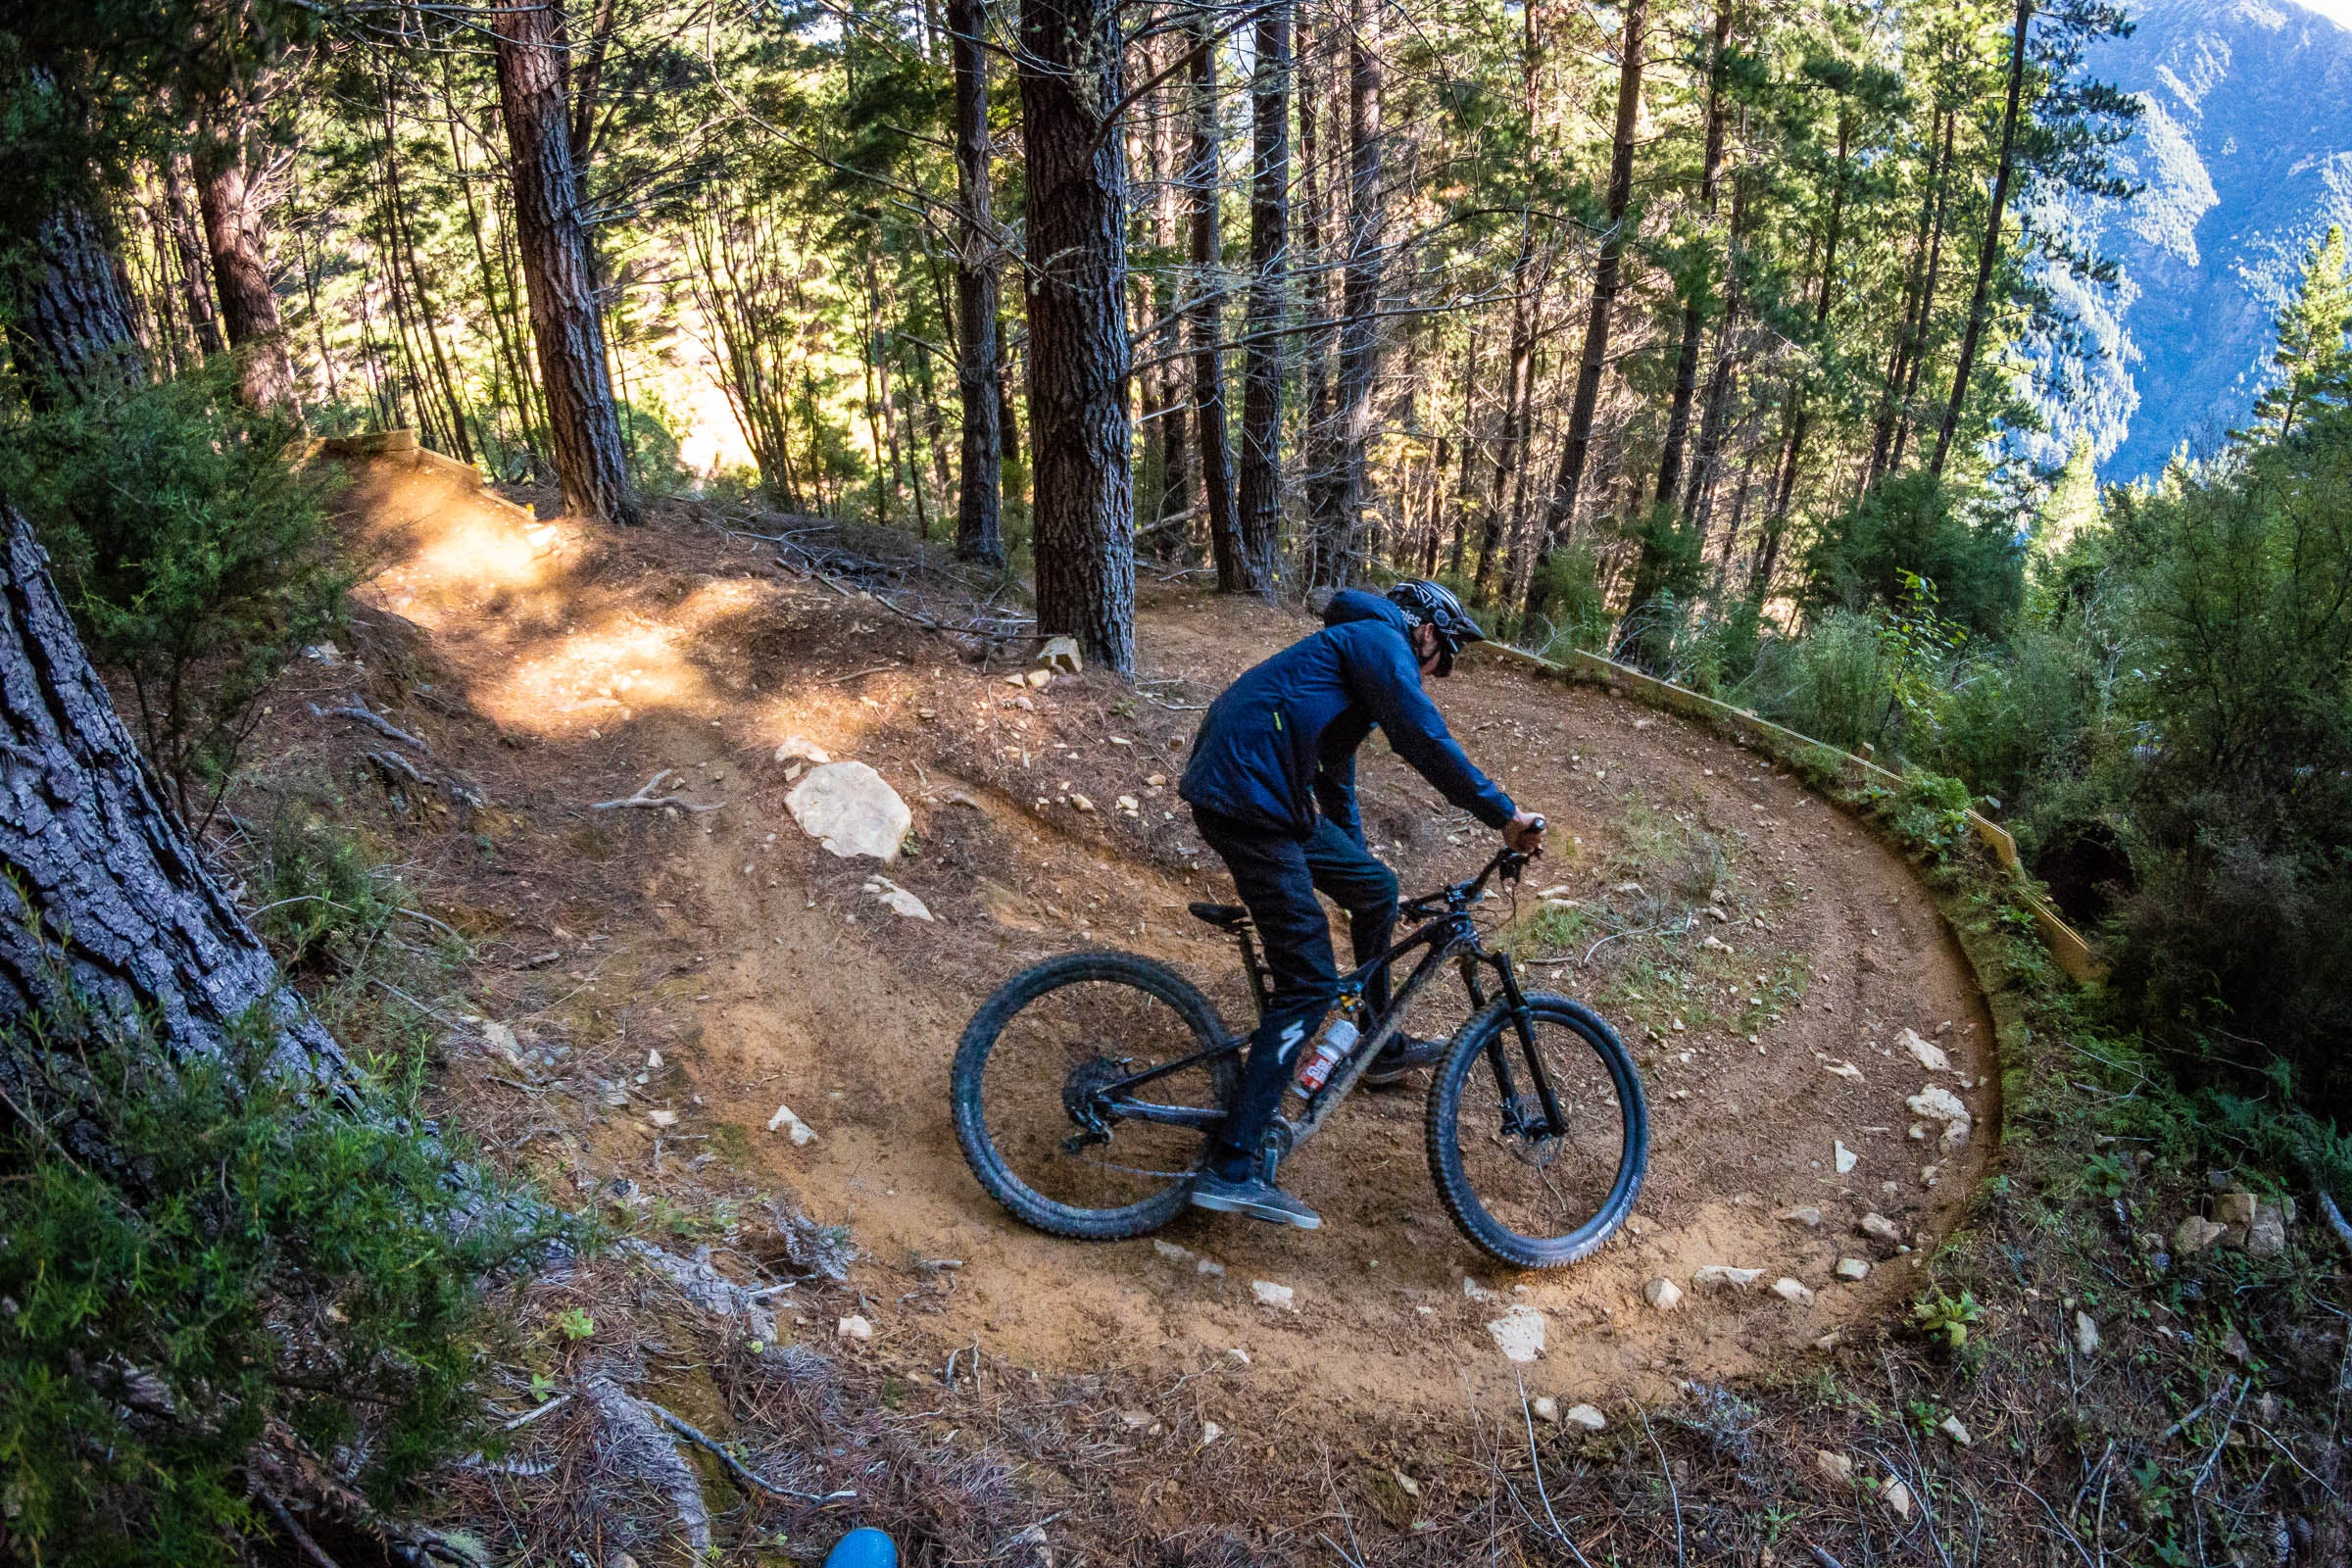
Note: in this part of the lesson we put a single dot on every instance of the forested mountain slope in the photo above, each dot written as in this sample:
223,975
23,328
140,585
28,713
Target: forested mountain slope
2245,153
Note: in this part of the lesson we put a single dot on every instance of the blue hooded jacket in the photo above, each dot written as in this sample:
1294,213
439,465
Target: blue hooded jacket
1279,744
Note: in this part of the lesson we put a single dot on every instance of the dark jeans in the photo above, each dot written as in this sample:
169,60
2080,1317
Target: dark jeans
1277,878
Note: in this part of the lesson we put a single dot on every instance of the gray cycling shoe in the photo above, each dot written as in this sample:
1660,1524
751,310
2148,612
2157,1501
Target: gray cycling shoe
1255,1197
1400,1056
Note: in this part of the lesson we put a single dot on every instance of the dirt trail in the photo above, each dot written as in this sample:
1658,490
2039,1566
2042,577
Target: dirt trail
567,665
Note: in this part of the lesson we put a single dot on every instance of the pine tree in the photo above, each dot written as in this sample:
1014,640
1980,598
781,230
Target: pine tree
2313,359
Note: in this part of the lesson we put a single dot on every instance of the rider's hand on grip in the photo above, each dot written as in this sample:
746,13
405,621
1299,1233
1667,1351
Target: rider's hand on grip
1524,834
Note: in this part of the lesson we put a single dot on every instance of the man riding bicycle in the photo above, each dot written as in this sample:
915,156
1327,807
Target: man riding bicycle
1272,787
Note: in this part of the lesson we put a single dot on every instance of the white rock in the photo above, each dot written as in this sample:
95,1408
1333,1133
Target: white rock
1724,1277
1952,1427
501,1039
800,749
1833,1466
1135,1420
1937,1104
1956,1134
1061,654
2086,1333
1209,1266
2266,1236
1544,1407
1878,1228
2235,1208
1519,1333
2195,1234
1477,1291
901,902
1210,1431
851,810
1587,1417
1847,1159
1926,1052
1853,1270
1238,1356
853,1327
1662,1294
1844,1069
1897,1498
1791,1291
1808,1216
785,1121
1279,1296
1170,1250
662,1118
1405,1484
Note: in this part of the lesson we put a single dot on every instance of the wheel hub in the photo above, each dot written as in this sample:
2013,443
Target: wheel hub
1083,1094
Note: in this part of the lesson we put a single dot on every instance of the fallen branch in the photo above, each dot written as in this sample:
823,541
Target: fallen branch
358,712
2335,1217
646,798
736,1467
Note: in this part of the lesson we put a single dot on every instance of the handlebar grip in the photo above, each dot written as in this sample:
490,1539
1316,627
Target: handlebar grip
1538,824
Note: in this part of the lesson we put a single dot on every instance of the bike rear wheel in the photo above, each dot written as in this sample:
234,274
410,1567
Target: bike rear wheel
1526,1190
1030,1110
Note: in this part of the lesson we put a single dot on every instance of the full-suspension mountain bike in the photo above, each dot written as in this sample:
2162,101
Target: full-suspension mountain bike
1090,1087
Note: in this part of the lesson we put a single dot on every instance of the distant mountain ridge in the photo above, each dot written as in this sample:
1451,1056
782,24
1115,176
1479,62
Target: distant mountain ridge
2245,153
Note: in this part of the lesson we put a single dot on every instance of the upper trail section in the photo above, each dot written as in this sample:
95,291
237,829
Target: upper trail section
677,976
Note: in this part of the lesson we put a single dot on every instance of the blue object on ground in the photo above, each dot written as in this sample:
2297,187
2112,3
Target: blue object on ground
864,1548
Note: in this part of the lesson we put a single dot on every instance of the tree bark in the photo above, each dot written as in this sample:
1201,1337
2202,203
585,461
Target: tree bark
233,231
1079,431
1169,375
1560,515
567,321
1201,312
979,499
75,330
1518,413
105,897
1262,354
1338,554
1973,335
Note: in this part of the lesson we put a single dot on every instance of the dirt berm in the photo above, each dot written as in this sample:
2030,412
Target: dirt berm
1774,955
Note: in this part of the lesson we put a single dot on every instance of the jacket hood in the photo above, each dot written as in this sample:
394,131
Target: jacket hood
1353,604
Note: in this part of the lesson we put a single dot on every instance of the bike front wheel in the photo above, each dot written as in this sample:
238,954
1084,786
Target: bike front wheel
1538,1143
1039,1109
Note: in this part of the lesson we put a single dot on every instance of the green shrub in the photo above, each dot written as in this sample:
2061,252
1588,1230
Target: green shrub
223,1247
1566,609
194,552
1913,525
1835,683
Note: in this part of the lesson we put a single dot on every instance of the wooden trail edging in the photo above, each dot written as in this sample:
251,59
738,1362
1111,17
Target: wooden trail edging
2067,947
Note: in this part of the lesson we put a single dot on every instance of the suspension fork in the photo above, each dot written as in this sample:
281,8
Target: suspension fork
1523,1020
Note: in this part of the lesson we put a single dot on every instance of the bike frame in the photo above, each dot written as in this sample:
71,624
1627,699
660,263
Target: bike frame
1450,936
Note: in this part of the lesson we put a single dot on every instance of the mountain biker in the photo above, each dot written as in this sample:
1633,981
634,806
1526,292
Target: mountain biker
1273,785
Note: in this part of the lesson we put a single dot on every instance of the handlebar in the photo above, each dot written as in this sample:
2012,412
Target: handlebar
1507,864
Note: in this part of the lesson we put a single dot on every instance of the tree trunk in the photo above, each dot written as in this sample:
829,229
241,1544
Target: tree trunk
1560,515
1990,254
979,499
195,285
105,897
1262,353
1800,410
567,321
1927,309
233,230
1202,310
1079,430
1919,300
75,331
1685,363
1339,553
1518,410
1170,374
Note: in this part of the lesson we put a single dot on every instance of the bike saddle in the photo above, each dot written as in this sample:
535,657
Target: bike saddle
1224,916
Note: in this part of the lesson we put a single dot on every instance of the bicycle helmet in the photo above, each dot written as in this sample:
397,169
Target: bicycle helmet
1430,604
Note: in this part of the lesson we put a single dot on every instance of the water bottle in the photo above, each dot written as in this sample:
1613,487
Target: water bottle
1329,1051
